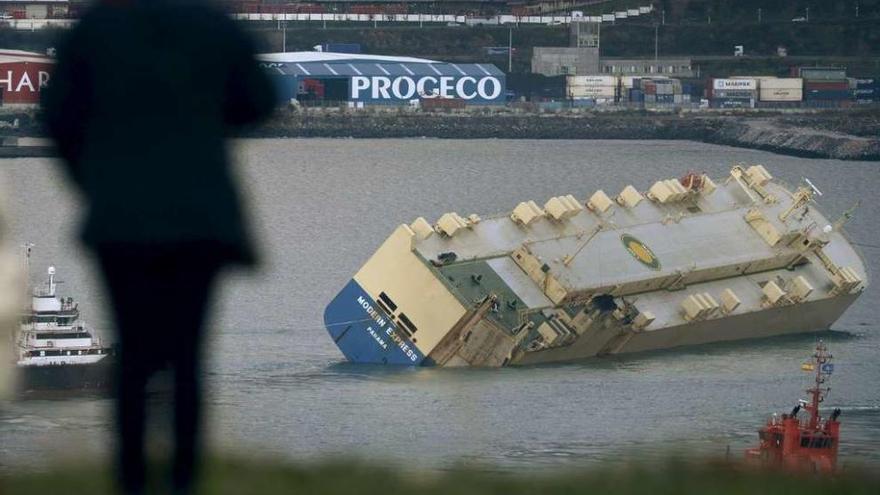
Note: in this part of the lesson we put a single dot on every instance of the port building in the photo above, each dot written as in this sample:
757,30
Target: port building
23,75
364,80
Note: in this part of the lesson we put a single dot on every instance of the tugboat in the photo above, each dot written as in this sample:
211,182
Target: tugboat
803,445
54,350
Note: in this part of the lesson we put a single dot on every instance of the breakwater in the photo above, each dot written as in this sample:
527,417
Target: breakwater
841,134
814,135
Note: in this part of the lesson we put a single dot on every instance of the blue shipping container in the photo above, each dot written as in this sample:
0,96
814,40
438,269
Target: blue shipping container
636,95
822,94
732,103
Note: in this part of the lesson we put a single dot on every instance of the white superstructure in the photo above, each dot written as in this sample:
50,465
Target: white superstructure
51,333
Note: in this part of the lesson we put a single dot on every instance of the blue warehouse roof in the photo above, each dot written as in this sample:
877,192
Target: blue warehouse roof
316,64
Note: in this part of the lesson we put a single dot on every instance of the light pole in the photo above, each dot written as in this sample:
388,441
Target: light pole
656,42
509,50
759,16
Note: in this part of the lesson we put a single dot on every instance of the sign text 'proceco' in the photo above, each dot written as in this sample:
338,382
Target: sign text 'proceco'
405,87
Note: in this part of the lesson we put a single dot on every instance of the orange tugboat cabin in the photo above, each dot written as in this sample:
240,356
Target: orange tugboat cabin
802,445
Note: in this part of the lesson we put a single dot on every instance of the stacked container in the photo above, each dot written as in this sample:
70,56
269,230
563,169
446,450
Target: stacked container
732,93
661,91
865,91
780,91
825,86
602,89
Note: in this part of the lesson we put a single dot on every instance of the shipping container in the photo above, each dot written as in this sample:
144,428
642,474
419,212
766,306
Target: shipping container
628,82
822,73
636,95
818,94
781,83
734,93
734,84
864,92
826,85
732,103
864,82
591,81
780,94
592,91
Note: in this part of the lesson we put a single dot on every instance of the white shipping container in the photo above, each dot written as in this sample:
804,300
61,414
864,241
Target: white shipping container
591,91
627,81
591,80
738,84
781,94
783,83
758,78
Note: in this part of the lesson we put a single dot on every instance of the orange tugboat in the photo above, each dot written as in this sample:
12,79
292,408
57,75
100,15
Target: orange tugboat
803,445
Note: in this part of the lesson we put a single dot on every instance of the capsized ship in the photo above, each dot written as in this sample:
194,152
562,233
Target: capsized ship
690,261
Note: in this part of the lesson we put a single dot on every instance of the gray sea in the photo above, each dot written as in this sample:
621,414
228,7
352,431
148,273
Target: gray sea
279,388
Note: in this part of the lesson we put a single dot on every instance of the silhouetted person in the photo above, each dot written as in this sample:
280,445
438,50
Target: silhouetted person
140,102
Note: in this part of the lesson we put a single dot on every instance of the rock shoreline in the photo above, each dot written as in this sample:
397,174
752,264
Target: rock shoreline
844,135
807,137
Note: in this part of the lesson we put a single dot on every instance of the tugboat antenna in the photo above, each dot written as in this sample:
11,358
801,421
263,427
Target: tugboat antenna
28,246
821,358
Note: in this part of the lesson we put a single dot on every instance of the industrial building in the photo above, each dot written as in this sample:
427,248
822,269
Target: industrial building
565,60
22,77
362,80
35,9
665,66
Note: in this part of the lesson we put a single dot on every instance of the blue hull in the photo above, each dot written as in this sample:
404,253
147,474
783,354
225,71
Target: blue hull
364,333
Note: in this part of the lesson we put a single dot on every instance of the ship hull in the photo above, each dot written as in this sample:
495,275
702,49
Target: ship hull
352,323
809,317
363,334
89,376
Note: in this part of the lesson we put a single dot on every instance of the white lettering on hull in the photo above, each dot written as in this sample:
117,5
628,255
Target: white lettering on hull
397,339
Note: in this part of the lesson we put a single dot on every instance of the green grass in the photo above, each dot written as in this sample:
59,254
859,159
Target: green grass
242,477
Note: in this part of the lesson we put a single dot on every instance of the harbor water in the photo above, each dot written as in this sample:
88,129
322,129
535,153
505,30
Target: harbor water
279,387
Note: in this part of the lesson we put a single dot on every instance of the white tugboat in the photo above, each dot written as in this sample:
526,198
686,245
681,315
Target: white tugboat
54,349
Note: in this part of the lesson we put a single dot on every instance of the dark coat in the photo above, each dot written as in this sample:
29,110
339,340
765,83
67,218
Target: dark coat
140,103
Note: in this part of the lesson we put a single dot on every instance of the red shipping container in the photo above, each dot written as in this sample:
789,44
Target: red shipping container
826,85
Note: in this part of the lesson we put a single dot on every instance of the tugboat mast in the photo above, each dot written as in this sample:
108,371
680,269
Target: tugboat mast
803,446
822,359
